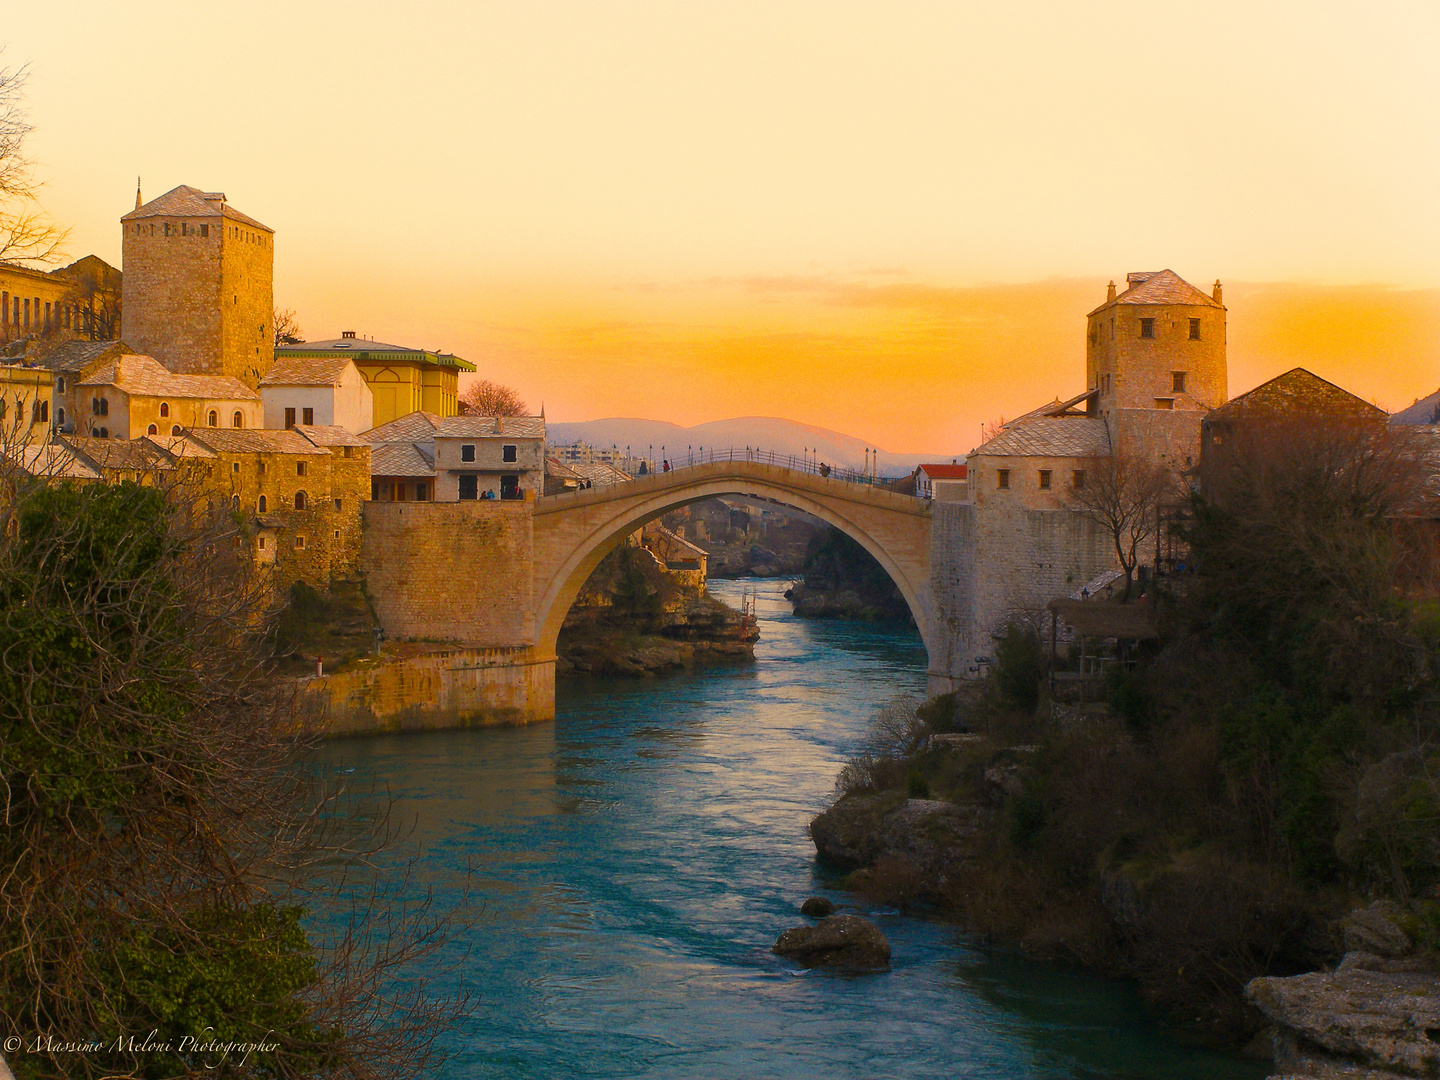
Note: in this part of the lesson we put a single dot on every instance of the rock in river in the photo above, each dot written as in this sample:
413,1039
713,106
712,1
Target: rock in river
817,907
839,941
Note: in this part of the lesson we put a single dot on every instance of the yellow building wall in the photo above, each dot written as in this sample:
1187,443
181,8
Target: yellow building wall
22,389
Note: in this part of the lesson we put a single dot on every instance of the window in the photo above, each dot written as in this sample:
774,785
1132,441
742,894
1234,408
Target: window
348,451
467,452
104,406
308,416
1077,479
422,491
289,418
260,467
1164,403
213,419
60,385
164,409
374,490
60,417
152,430
234,502
337,534
1044,479
204,231
1177,382
1002,478
261,505
507,453
337,504
238,419
104,432
1147,328
174,429
469,487
1194,329
234,466
300,500
299,542
299,468
260,543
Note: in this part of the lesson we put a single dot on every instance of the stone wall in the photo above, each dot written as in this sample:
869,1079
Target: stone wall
458,572
446,688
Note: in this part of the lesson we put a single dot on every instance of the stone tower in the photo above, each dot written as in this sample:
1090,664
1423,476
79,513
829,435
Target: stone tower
1155,356
199,285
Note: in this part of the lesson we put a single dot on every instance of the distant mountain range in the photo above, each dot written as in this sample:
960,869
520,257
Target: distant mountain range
766,432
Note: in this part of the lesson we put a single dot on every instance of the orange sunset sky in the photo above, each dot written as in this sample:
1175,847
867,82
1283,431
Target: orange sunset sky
884,218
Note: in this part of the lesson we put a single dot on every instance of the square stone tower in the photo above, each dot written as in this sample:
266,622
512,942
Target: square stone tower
1155,357
199,285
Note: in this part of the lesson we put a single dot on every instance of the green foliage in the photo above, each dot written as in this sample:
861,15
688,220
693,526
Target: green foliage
239,977
1019,667
1132,700
941,714
916,786
1027,817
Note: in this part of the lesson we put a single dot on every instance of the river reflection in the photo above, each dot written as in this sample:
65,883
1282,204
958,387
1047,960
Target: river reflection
637,859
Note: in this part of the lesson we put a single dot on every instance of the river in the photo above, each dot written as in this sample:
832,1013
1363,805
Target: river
636,860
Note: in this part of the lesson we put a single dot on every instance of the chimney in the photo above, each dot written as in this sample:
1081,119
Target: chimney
347,333
1216,294
1110,292
1136,280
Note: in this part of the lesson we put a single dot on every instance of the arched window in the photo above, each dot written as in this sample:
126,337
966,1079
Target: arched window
95,405
104,432
214,418
152,430
45,412
238,420
234,502
300,500
174,429
164,409
60,385
60,417
261,504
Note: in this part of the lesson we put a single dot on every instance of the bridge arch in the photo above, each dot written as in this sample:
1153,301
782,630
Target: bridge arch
575,531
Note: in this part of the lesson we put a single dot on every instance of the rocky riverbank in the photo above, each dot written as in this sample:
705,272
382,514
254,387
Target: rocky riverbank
841,580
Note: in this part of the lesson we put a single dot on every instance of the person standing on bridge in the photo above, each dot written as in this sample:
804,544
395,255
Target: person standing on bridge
665,465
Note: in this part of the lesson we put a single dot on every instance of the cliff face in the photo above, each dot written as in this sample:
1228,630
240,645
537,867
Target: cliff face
842,580
634,617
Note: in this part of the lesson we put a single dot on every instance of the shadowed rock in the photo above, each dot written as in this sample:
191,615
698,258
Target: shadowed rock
817,907
839,941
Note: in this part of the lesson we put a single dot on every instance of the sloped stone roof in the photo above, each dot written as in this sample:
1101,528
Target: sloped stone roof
254,441
53,460
418,426
1297,391
1050,436
400,459
76,355
329,435
137,454
144,376
306,371
186,201
1161,287
491,427
178,446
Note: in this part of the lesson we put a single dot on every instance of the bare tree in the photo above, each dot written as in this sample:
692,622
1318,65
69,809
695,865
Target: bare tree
486,398
991,428
95,293
287,328
1124,494
27,234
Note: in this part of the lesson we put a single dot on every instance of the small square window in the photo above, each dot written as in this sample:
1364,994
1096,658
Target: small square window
1002,478
1077,479
467,452
299,542
1194,329
235,466
507,453
1177,382
348,451
1147,328
1044,479
337,534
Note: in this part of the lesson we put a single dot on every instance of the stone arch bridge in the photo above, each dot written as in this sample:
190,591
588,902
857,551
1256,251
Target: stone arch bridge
476,592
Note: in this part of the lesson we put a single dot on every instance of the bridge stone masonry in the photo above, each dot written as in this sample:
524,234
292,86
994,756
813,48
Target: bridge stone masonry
499,577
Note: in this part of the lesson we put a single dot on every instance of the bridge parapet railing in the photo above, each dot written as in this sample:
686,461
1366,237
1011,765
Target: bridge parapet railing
806,463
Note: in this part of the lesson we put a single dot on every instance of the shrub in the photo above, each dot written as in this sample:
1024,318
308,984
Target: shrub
1020,665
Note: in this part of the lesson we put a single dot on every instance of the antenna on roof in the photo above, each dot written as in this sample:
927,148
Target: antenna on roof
137,193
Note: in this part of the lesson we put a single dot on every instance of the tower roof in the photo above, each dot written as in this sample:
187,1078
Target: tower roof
186,201
1160,287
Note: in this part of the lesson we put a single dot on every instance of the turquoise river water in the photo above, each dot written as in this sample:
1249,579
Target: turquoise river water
635,861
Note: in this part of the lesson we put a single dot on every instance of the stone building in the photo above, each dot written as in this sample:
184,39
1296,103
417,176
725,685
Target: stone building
300,494
1155,365
319,390
25,404
199,285
489,457
131,396
81,300
402,380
